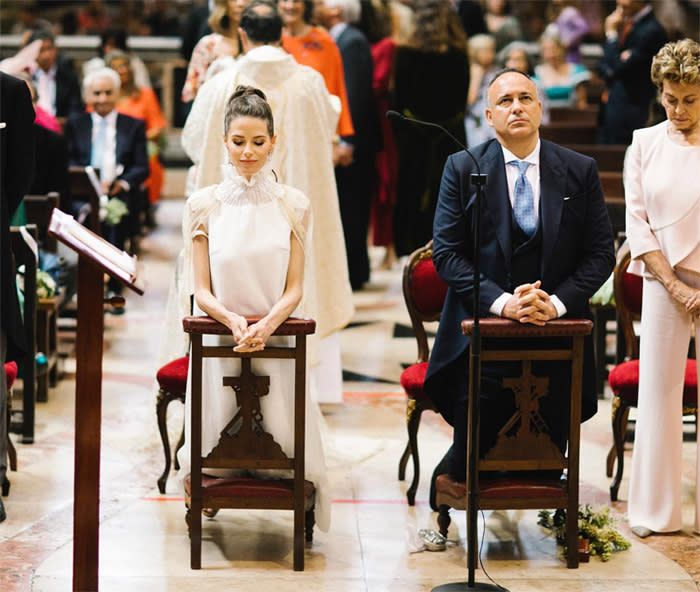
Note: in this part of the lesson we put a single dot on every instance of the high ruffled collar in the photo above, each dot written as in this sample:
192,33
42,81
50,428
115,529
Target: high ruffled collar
235,189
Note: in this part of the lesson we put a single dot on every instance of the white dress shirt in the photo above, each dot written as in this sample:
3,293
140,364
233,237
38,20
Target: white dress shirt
46,89
108,168
533,176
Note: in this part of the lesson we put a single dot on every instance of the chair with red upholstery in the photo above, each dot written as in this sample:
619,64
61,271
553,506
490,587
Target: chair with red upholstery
424,293
624,378
11,375
172,385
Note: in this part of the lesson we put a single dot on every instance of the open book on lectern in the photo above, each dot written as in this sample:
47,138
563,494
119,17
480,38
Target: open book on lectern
117,263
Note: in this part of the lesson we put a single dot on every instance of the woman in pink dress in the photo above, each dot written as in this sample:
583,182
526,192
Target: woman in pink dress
663,228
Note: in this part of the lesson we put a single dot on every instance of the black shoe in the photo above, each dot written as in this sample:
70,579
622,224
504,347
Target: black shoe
442,467
111,308
3,515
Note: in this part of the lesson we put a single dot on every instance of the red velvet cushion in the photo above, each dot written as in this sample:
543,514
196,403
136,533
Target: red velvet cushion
412,379
624,382
10,373
632,287
249,487
509,487
427,289
173,376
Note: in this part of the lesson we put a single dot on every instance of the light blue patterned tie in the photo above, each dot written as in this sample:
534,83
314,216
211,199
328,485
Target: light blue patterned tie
98,147
524,200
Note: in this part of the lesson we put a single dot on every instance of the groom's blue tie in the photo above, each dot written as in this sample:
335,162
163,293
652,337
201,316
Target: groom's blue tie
523,199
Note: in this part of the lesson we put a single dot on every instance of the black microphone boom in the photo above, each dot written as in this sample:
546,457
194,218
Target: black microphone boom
395,115
479,182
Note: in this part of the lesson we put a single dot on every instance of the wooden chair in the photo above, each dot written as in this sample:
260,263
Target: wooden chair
424,293
250,447
624,378
527,448
172,385
10,376
25,256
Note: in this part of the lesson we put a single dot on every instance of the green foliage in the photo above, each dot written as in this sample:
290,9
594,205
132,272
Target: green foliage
45,284
115,210
596,526
605,296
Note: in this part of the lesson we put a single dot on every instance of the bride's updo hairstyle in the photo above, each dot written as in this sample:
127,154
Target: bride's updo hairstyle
248,101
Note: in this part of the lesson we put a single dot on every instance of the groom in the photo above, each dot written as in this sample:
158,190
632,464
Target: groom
546,247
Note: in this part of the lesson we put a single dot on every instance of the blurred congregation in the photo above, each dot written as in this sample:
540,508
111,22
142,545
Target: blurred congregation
128,116
427,60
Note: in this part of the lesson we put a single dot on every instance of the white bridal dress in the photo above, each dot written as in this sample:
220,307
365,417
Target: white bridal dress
249,225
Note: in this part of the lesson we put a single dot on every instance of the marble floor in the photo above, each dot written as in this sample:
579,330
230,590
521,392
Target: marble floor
143,537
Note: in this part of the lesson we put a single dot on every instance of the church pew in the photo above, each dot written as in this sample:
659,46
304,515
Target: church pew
24,255
609,158
565,132
38,209
612,184
589,115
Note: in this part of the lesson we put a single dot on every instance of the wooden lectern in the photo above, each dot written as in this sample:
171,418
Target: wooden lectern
96,257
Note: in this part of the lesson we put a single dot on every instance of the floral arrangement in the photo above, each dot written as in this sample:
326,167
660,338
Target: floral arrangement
45,284
597,526
605,296
114,210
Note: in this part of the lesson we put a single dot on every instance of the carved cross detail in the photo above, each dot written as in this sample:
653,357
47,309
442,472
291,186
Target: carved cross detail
528,390
248,418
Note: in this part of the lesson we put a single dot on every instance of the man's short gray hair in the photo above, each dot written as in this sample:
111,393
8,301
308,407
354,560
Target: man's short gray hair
97,73
351,9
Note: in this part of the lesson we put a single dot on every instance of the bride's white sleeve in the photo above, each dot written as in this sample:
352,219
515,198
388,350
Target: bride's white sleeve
195,221
297,208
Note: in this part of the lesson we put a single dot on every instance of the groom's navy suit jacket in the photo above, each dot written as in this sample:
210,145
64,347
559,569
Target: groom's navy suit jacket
577,253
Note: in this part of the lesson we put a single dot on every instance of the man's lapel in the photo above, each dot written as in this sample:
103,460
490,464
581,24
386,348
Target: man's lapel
552,194
496,201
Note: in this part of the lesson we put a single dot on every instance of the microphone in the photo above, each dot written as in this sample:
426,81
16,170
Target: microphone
396,116
478,181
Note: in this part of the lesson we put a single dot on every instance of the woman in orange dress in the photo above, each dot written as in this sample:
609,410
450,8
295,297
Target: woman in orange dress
142,103
314,47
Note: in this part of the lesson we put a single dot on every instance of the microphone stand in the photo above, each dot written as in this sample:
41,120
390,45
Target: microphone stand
478,180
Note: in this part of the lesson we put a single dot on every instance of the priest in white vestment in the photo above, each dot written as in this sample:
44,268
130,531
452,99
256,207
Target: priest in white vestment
305,119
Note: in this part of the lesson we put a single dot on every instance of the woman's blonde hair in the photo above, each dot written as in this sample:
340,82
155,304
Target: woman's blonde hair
678,61
219,19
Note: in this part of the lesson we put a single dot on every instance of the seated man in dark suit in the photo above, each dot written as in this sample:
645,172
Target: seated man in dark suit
113,143
546,247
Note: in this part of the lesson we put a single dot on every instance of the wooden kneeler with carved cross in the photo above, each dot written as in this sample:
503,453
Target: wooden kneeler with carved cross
244,443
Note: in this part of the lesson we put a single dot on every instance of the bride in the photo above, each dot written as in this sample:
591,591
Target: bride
245,244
